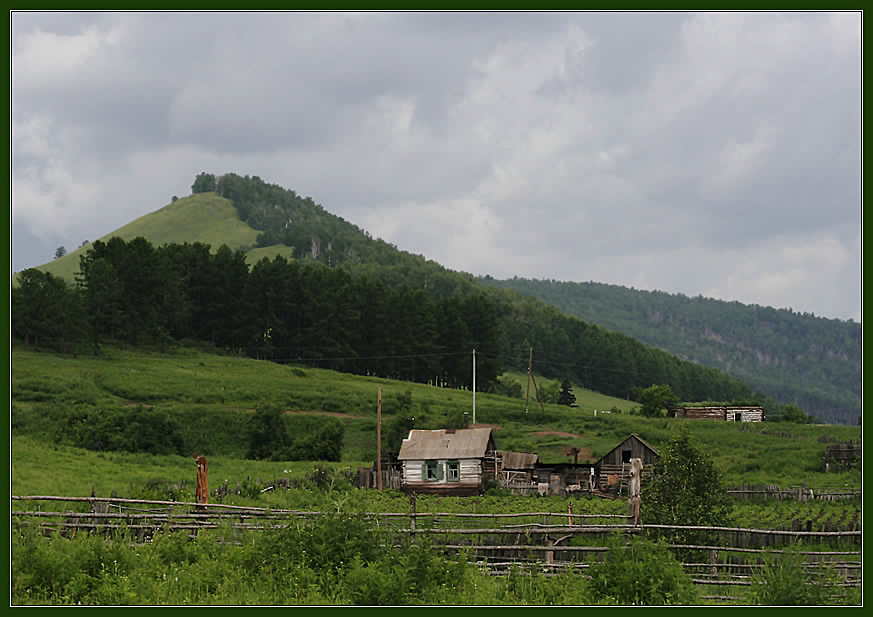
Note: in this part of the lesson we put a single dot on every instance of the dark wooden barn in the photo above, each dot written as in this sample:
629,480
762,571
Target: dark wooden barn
613,468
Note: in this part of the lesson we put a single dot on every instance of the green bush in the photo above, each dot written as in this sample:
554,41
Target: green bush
637,571
274,435
134,429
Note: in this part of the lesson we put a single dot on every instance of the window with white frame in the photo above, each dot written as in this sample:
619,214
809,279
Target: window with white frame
453,471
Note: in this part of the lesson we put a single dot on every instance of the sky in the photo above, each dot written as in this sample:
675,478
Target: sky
702,153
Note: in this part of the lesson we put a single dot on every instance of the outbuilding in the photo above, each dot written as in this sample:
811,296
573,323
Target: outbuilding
447,462
723,413
613,468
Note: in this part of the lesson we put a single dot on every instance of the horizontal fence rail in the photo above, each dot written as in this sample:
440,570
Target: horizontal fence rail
797,493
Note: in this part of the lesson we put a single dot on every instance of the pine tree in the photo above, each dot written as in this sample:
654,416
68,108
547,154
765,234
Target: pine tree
566,396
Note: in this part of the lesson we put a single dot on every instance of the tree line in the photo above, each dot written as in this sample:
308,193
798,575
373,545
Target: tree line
302,311
288,311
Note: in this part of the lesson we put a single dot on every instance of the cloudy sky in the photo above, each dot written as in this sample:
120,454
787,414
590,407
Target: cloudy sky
695,153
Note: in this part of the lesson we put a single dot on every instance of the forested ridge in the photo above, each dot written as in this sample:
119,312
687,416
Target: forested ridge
794,357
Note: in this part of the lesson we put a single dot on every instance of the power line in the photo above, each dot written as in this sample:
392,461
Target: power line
390,357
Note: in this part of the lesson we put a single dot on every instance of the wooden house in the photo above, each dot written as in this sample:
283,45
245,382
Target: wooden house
721,413
613,468
447,462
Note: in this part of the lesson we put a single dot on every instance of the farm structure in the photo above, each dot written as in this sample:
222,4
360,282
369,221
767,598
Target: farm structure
516,471
565,478
842,456
457,462
724,413
614,468
447,462
524,474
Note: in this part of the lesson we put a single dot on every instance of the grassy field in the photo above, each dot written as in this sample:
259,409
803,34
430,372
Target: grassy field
212,394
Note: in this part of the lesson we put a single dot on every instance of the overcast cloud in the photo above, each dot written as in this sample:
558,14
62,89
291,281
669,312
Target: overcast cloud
698,153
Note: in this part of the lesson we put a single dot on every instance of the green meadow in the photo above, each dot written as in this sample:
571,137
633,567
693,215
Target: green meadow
211,397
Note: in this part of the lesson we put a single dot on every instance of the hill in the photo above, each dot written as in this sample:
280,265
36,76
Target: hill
205,218
285,224
794,357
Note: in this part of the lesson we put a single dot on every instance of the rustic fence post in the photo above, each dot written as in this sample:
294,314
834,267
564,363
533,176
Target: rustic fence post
634,491
202,494
570,513
412,516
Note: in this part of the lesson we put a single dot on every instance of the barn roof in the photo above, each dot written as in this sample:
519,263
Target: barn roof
442,444
631,436
645,443
518,460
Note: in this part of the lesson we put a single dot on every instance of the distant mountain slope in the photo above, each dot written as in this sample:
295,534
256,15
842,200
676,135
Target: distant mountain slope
204,217
793,357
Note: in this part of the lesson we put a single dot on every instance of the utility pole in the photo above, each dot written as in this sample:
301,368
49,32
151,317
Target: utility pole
537,392
474,387
379,442
529,364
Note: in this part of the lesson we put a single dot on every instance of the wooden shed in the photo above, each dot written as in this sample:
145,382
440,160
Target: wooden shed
446,461
722,413
515,471
613,468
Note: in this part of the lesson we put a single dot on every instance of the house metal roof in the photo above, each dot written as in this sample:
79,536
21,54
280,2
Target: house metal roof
443,444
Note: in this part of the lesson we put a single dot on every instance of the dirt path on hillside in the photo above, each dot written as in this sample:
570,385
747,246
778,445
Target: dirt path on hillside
558,433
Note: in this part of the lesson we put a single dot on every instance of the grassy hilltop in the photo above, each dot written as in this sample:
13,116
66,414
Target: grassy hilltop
204,217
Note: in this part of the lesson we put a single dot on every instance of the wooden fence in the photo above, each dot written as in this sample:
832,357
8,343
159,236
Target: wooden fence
799,493
543,540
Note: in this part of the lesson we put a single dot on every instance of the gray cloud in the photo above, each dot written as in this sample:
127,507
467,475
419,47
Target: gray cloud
691,152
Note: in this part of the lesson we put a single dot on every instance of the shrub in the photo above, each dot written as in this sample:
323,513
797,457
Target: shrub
267,433
637,571
685,489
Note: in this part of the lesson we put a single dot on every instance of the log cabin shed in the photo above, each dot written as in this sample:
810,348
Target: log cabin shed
723,413
446,461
